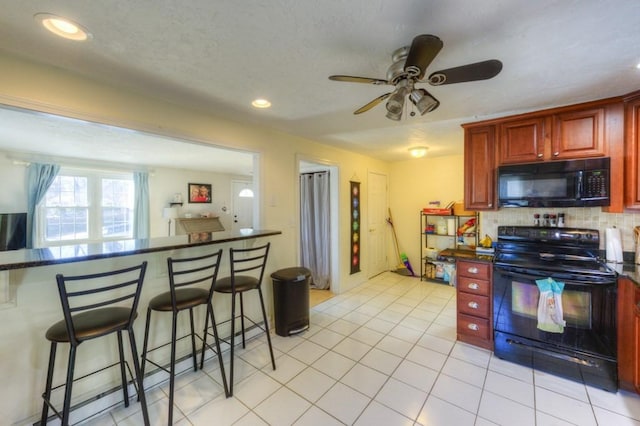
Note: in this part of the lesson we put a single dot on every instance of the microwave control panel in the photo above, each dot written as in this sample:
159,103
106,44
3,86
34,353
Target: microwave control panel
596,184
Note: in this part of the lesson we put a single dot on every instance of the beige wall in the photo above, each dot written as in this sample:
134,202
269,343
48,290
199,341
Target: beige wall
413,184
24,84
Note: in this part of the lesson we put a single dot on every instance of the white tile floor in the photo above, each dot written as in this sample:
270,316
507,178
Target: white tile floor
382,354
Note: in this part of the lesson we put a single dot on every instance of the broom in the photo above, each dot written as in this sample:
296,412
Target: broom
404,268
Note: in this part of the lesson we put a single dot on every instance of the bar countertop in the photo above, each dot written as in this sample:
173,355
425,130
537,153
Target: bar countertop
27,258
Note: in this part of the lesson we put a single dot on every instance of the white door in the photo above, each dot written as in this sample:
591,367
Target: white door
377,223
242,211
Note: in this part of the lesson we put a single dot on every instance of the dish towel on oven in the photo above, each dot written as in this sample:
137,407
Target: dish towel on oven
550,317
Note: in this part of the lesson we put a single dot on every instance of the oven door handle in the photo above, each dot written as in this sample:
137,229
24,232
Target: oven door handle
536,275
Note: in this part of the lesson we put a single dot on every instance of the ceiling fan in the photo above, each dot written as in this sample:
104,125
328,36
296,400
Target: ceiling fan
408,68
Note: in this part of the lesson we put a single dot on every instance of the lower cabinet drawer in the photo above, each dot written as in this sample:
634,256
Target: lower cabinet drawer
473,304
473,326
473,285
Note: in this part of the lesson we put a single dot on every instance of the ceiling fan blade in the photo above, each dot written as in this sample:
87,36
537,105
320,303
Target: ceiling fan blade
371,104
423,50
471,72
352,79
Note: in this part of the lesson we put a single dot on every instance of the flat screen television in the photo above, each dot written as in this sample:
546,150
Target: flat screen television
13,231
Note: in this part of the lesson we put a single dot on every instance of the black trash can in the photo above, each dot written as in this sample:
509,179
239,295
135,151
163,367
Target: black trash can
291,300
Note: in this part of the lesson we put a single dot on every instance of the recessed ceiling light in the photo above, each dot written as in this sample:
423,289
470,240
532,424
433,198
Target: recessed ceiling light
261,103
418,151
63,27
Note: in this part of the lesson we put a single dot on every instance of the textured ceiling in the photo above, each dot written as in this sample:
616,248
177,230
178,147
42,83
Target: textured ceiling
220,55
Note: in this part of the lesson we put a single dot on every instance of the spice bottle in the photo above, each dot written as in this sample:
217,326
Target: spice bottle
552,220
560,220
545,219
536,219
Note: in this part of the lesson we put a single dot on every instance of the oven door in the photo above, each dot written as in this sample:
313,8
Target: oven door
585,350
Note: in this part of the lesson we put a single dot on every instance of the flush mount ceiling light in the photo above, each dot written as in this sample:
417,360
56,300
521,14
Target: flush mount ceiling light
261,103
418,151
63,27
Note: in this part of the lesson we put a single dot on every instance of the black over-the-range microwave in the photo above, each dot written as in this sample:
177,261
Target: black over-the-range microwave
572,183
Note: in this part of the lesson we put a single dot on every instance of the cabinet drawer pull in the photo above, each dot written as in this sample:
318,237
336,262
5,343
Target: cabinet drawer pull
473,286
555,154
539,155
472,270
473,305
473,327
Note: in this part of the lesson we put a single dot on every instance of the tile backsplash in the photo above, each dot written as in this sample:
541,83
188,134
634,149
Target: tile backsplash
575,217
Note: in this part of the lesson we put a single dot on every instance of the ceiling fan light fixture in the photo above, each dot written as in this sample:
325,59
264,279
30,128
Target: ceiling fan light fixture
423,101
395,103
418,151
63,27
394,116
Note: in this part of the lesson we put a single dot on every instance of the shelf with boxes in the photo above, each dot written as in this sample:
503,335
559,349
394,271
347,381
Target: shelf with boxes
445,229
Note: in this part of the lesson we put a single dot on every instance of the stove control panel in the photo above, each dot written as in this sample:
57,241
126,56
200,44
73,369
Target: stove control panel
574,236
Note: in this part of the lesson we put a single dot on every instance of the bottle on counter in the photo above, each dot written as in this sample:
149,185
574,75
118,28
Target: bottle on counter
545,219
536,219
552,220
561,220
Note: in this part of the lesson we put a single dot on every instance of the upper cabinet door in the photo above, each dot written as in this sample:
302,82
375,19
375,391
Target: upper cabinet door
578,134
479,168
522,141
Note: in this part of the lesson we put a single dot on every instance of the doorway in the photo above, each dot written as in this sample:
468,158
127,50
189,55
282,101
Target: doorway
330,215
242,205
377,223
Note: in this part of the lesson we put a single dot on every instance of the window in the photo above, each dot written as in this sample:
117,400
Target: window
83,206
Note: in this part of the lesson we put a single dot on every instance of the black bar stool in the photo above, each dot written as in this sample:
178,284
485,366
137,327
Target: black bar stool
96,305
186,279
247,271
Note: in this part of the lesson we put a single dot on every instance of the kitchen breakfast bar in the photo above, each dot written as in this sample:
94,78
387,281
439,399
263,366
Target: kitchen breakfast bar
30,304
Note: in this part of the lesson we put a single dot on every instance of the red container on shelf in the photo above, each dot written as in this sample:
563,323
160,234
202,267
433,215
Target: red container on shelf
442,212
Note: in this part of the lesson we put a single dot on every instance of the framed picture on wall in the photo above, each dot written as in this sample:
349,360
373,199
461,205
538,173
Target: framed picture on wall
199,192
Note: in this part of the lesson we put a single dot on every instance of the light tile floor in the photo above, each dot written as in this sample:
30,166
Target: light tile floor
384,353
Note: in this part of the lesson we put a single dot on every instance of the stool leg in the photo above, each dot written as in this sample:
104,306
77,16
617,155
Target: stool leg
146,341
67,388
204,337
233,335
193,341
266,327
139,376
217,342
47,390
174,326
242,321
123,374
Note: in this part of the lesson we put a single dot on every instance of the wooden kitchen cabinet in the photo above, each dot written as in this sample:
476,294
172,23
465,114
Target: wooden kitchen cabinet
523,141
628,322
632,151
562,135
590,129
578,134
480,168
474,311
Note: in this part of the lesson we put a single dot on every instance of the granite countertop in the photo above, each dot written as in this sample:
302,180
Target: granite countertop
450,255
17,259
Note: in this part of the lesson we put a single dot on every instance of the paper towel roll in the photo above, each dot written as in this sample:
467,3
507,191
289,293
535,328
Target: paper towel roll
451,226
613,245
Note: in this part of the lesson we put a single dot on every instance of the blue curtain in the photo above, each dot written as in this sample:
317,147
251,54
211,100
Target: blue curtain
39,179
141,205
